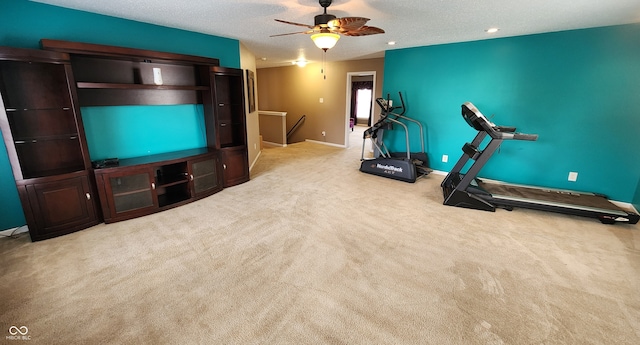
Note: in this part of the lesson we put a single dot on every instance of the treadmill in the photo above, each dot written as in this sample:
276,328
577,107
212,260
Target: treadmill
466,190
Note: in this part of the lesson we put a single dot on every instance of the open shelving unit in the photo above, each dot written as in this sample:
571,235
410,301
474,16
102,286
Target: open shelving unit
114,76
107,75
42,94
230,124
44,136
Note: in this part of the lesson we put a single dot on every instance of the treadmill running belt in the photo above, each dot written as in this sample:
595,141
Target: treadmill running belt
555,196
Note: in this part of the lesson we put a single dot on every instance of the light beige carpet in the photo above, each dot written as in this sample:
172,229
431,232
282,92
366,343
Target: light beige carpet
312,251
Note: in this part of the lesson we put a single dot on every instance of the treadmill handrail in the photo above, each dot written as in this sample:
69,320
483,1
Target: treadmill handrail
523,136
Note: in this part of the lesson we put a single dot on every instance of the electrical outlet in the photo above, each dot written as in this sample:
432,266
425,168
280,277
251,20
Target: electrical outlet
324,134
573,176
445,158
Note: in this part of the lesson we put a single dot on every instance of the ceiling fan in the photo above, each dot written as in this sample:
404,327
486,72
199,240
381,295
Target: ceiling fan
327,28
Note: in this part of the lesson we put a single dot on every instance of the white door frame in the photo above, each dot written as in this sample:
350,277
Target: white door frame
348,103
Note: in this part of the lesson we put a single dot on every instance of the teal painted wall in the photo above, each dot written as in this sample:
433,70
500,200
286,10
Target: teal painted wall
578,90
11,214
133,131
24,23
111,131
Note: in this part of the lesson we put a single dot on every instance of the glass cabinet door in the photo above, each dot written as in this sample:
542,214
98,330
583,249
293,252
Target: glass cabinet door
205,175
131,192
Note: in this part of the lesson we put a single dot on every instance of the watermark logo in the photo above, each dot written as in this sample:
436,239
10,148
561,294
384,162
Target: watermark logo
18,333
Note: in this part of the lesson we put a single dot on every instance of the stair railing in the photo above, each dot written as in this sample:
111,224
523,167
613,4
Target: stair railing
296,126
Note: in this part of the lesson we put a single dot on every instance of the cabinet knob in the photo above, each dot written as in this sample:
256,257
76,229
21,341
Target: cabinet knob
191,177
88,196
153,185
224,166
221,104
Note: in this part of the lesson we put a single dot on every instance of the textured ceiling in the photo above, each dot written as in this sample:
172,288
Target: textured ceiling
410,23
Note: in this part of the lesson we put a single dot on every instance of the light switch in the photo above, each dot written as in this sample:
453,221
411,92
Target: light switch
157,76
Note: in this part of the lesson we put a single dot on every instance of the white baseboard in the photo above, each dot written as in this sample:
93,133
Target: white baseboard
255,160
325,143
272,144
439,172
14,231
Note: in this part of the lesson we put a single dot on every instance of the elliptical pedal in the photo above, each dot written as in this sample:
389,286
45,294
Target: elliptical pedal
422,170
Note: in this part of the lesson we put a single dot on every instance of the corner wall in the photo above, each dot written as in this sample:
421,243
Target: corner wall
248,62
297,91
578,90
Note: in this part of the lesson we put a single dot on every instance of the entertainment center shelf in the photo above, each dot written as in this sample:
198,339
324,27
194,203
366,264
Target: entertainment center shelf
143,185
43,91
90,85
107,75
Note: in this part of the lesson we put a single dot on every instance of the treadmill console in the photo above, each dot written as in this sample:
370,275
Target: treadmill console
474,117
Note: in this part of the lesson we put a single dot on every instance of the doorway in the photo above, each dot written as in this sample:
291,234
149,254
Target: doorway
361,90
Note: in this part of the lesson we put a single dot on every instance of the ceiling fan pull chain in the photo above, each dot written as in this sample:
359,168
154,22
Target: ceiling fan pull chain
322,66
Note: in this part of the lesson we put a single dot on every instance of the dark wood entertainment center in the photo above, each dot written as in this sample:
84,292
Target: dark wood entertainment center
42,92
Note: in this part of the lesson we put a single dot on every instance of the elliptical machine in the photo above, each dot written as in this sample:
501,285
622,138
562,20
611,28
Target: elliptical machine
404,166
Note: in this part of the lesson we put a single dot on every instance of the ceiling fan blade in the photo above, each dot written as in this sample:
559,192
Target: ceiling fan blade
293,33
363,31
348,23
292,23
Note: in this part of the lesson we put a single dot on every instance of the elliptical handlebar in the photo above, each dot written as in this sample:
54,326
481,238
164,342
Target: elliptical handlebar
387,109
401,102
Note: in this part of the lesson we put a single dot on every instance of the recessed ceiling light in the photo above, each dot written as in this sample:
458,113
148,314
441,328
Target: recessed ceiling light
300,63
391,43
492,30
263,59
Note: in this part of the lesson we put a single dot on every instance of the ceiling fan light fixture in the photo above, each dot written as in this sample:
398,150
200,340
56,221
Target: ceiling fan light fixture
325,40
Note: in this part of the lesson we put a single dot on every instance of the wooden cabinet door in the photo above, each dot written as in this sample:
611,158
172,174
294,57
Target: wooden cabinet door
127,193
235,165
60,207
205,176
